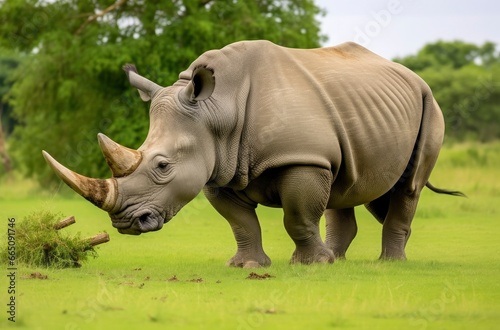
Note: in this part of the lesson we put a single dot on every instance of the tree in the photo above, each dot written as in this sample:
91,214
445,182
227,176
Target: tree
465,80
470,100
69,85
455,54
8,63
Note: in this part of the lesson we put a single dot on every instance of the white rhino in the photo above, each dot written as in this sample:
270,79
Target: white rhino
313,131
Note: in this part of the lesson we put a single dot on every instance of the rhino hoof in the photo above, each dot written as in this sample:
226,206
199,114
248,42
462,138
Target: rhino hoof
319,255
251,264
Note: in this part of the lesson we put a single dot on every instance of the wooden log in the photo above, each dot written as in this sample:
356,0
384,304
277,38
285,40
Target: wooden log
98,239
65,223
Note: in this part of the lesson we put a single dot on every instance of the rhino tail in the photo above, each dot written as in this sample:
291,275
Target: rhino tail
445,191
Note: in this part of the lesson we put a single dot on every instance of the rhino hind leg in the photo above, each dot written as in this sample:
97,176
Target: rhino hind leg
404,198
396,228
304,191
341,228
245,225
394,210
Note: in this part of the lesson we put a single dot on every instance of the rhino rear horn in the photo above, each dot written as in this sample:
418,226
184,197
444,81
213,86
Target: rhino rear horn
146,87
101,193
121,160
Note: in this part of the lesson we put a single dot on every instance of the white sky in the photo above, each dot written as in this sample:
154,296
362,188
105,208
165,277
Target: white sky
393,28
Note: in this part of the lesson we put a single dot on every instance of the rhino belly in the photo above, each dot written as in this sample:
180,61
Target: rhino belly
370,174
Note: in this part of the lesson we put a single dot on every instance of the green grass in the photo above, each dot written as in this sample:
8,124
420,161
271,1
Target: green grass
451,280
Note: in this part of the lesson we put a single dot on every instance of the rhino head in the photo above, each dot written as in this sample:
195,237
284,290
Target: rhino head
151,184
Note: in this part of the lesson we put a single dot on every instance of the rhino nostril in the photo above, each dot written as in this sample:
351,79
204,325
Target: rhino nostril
144,218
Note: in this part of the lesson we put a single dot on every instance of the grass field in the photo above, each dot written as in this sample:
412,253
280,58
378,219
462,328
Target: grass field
176,278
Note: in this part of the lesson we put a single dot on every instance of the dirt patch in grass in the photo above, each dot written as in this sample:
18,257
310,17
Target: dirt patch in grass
132,284
36,276
173,279
255,276
193,280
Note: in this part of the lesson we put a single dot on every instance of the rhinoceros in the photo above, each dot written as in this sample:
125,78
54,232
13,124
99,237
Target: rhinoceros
313,131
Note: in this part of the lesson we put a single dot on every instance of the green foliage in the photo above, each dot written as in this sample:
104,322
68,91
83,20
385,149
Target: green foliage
471,155
69,85
454,54
38,244
8,63
465,80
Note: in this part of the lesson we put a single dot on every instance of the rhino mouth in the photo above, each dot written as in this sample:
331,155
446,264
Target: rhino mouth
143,222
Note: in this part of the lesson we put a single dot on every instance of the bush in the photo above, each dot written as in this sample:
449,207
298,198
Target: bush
38,244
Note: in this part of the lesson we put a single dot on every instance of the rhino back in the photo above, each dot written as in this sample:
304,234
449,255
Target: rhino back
342,108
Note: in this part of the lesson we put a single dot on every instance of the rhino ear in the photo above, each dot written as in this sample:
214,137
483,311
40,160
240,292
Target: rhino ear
201,86
146,87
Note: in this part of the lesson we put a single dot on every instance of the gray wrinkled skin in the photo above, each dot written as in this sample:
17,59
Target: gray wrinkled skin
314,132
177,161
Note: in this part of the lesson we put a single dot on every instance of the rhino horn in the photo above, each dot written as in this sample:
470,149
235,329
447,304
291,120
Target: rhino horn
101,193
121,160
146,87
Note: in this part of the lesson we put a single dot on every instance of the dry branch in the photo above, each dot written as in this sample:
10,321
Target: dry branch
65,223
92,18
98,239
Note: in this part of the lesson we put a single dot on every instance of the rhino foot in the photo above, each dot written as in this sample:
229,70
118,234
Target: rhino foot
392,256
247,260
309,255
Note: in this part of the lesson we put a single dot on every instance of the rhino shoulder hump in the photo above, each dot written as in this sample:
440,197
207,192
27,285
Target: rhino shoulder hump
353,51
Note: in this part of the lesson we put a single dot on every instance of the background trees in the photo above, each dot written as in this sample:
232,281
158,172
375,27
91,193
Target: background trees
465,80
69,84
8,62
61,80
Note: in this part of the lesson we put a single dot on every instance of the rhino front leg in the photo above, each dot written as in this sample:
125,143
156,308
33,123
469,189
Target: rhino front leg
245,225
341,228
304,192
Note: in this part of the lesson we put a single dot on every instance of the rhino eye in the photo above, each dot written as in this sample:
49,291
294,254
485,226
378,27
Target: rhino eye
163,165
161,170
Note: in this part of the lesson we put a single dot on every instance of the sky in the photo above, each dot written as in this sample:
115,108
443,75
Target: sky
393,28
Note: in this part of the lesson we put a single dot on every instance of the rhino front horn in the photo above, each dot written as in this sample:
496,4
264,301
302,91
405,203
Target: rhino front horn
101,193
121,160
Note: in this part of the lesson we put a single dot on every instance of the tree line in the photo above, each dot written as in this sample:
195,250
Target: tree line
66,84
465,80
61,81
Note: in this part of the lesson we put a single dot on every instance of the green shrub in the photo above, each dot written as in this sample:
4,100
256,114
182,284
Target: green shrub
471,155
38,244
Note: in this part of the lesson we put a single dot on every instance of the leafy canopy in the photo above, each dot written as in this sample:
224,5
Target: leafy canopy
69,85
465,80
